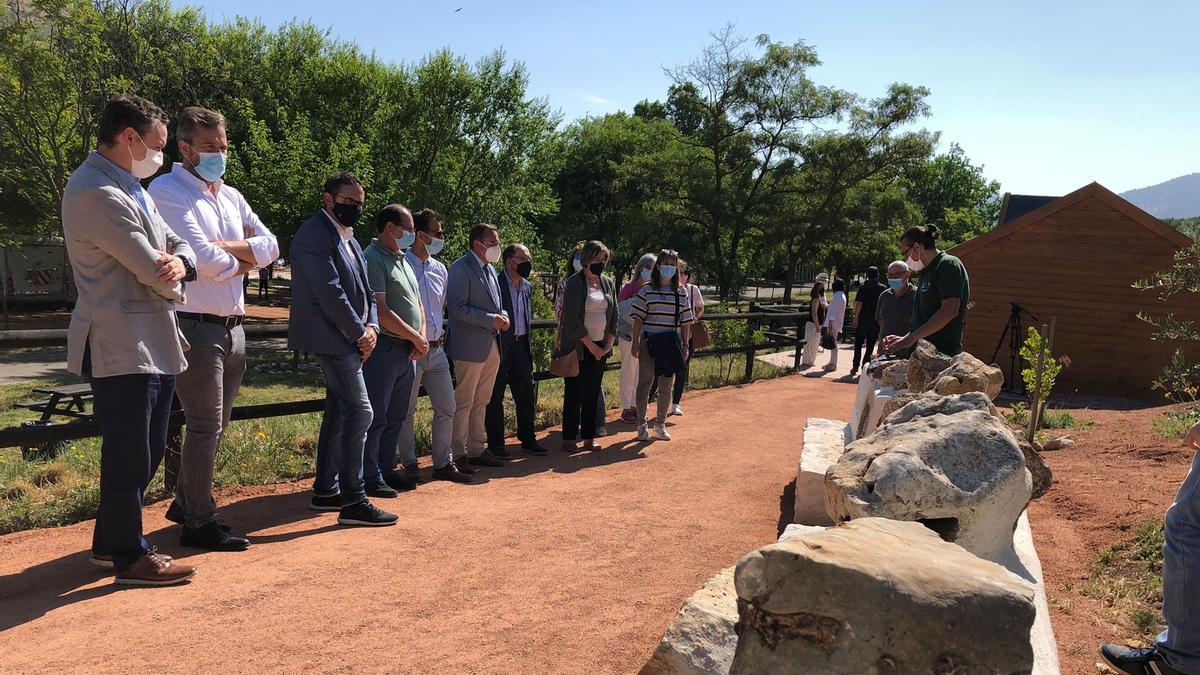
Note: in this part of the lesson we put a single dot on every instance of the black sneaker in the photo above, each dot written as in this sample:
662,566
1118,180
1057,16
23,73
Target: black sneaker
412,473
331,502
485,460
534,449
399,482
1136,661
175,515
365,514
499,453
381,490
211,537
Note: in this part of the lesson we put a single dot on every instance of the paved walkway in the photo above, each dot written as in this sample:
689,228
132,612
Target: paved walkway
570,563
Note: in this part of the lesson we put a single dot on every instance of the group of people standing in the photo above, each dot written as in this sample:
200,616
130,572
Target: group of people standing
383,323
895,315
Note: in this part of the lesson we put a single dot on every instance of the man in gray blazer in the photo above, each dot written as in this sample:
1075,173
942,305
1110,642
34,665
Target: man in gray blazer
476,320
334,317
129,268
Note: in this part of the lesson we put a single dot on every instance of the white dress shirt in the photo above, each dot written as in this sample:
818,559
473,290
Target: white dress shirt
200,217
431,277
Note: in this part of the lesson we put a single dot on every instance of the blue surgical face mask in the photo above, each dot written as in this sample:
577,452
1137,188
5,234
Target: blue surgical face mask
666,271
435,247
895,284
406,240
577,263
646,274
212,166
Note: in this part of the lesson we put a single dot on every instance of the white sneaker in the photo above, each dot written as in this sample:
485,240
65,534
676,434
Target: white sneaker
660,433
677,410
643,433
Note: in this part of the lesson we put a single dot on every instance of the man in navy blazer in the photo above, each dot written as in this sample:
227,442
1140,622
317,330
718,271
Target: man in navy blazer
477,318
516,356
334,318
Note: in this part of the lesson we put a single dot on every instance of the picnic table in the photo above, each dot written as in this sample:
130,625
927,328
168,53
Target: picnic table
66,401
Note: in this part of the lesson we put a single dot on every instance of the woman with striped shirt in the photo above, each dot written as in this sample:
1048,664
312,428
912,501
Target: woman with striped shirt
662,322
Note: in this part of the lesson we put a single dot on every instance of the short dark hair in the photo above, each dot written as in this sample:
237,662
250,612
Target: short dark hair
392,213
839,284
925,236
425,218
341,180
127,110
872,272
510,250
195,117
480,231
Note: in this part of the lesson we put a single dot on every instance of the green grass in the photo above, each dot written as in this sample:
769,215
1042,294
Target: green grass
1175,424
1127,578
1051,419
65,490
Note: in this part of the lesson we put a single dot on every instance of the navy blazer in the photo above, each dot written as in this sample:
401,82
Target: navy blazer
329,291
509,337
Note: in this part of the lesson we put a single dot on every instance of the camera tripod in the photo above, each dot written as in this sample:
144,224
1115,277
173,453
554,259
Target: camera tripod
1013,332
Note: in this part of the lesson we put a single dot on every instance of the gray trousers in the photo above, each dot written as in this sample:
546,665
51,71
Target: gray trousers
216,363
432,370
646,378
1180,643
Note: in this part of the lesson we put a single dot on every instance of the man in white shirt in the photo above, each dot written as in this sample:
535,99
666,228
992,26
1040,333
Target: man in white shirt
229,241
432,369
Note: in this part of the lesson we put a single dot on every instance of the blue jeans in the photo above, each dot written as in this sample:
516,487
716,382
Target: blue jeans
133,413
432,372
343,429
389,378
1180,643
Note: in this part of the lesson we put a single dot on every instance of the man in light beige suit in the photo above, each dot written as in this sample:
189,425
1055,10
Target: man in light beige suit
129,268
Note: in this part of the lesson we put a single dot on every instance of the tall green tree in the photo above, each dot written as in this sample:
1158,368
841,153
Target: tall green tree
954,194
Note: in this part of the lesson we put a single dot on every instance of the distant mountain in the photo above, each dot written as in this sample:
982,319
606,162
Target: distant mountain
1176,198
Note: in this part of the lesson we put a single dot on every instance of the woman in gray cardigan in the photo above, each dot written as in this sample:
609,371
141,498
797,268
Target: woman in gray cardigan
589,326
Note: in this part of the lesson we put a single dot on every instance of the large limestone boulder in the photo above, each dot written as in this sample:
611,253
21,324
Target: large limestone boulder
897,402
701,640
929,403
963,475
879,596
924,366
966,374
891,373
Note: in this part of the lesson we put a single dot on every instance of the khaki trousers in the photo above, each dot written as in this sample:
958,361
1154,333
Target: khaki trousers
471,397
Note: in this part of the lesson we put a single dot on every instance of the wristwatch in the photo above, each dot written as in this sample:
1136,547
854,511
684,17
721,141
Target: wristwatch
189,268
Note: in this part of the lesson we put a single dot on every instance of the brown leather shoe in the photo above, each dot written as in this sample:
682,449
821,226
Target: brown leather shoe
451,473
105,560
464,466
153,569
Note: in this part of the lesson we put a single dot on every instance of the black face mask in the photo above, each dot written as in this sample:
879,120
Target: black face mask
525,269
596,268
347,214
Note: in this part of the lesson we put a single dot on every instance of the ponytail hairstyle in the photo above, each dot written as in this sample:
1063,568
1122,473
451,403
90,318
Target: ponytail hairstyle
656,277
926,236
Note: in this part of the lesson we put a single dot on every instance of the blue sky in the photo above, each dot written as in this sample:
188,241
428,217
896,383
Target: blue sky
1048,96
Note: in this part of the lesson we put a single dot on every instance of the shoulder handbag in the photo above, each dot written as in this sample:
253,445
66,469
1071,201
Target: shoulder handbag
565,364
827,340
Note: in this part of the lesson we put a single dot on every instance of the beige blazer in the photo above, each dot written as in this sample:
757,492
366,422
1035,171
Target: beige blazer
124,311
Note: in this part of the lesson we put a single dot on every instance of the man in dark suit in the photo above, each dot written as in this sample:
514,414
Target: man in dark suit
334,317
516,360
477,318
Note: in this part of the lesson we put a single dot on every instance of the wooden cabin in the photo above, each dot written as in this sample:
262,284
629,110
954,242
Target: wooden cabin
1075,259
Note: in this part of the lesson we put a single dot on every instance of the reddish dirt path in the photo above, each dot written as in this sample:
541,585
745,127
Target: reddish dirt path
562,564
1117,476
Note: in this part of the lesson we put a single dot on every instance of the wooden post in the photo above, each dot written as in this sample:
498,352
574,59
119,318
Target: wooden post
749,365
1036,405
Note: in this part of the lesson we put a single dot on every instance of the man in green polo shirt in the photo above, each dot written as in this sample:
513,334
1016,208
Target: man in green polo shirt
389,370
940,302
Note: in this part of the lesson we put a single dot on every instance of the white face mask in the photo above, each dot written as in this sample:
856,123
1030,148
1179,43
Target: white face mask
646,274
492,254
915,264
147,166
575,263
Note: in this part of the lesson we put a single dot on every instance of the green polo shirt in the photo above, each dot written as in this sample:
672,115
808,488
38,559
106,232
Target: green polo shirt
389,273
944,278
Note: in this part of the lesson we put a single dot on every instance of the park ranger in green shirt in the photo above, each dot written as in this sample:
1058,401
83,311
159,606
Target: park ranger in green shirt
940,303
